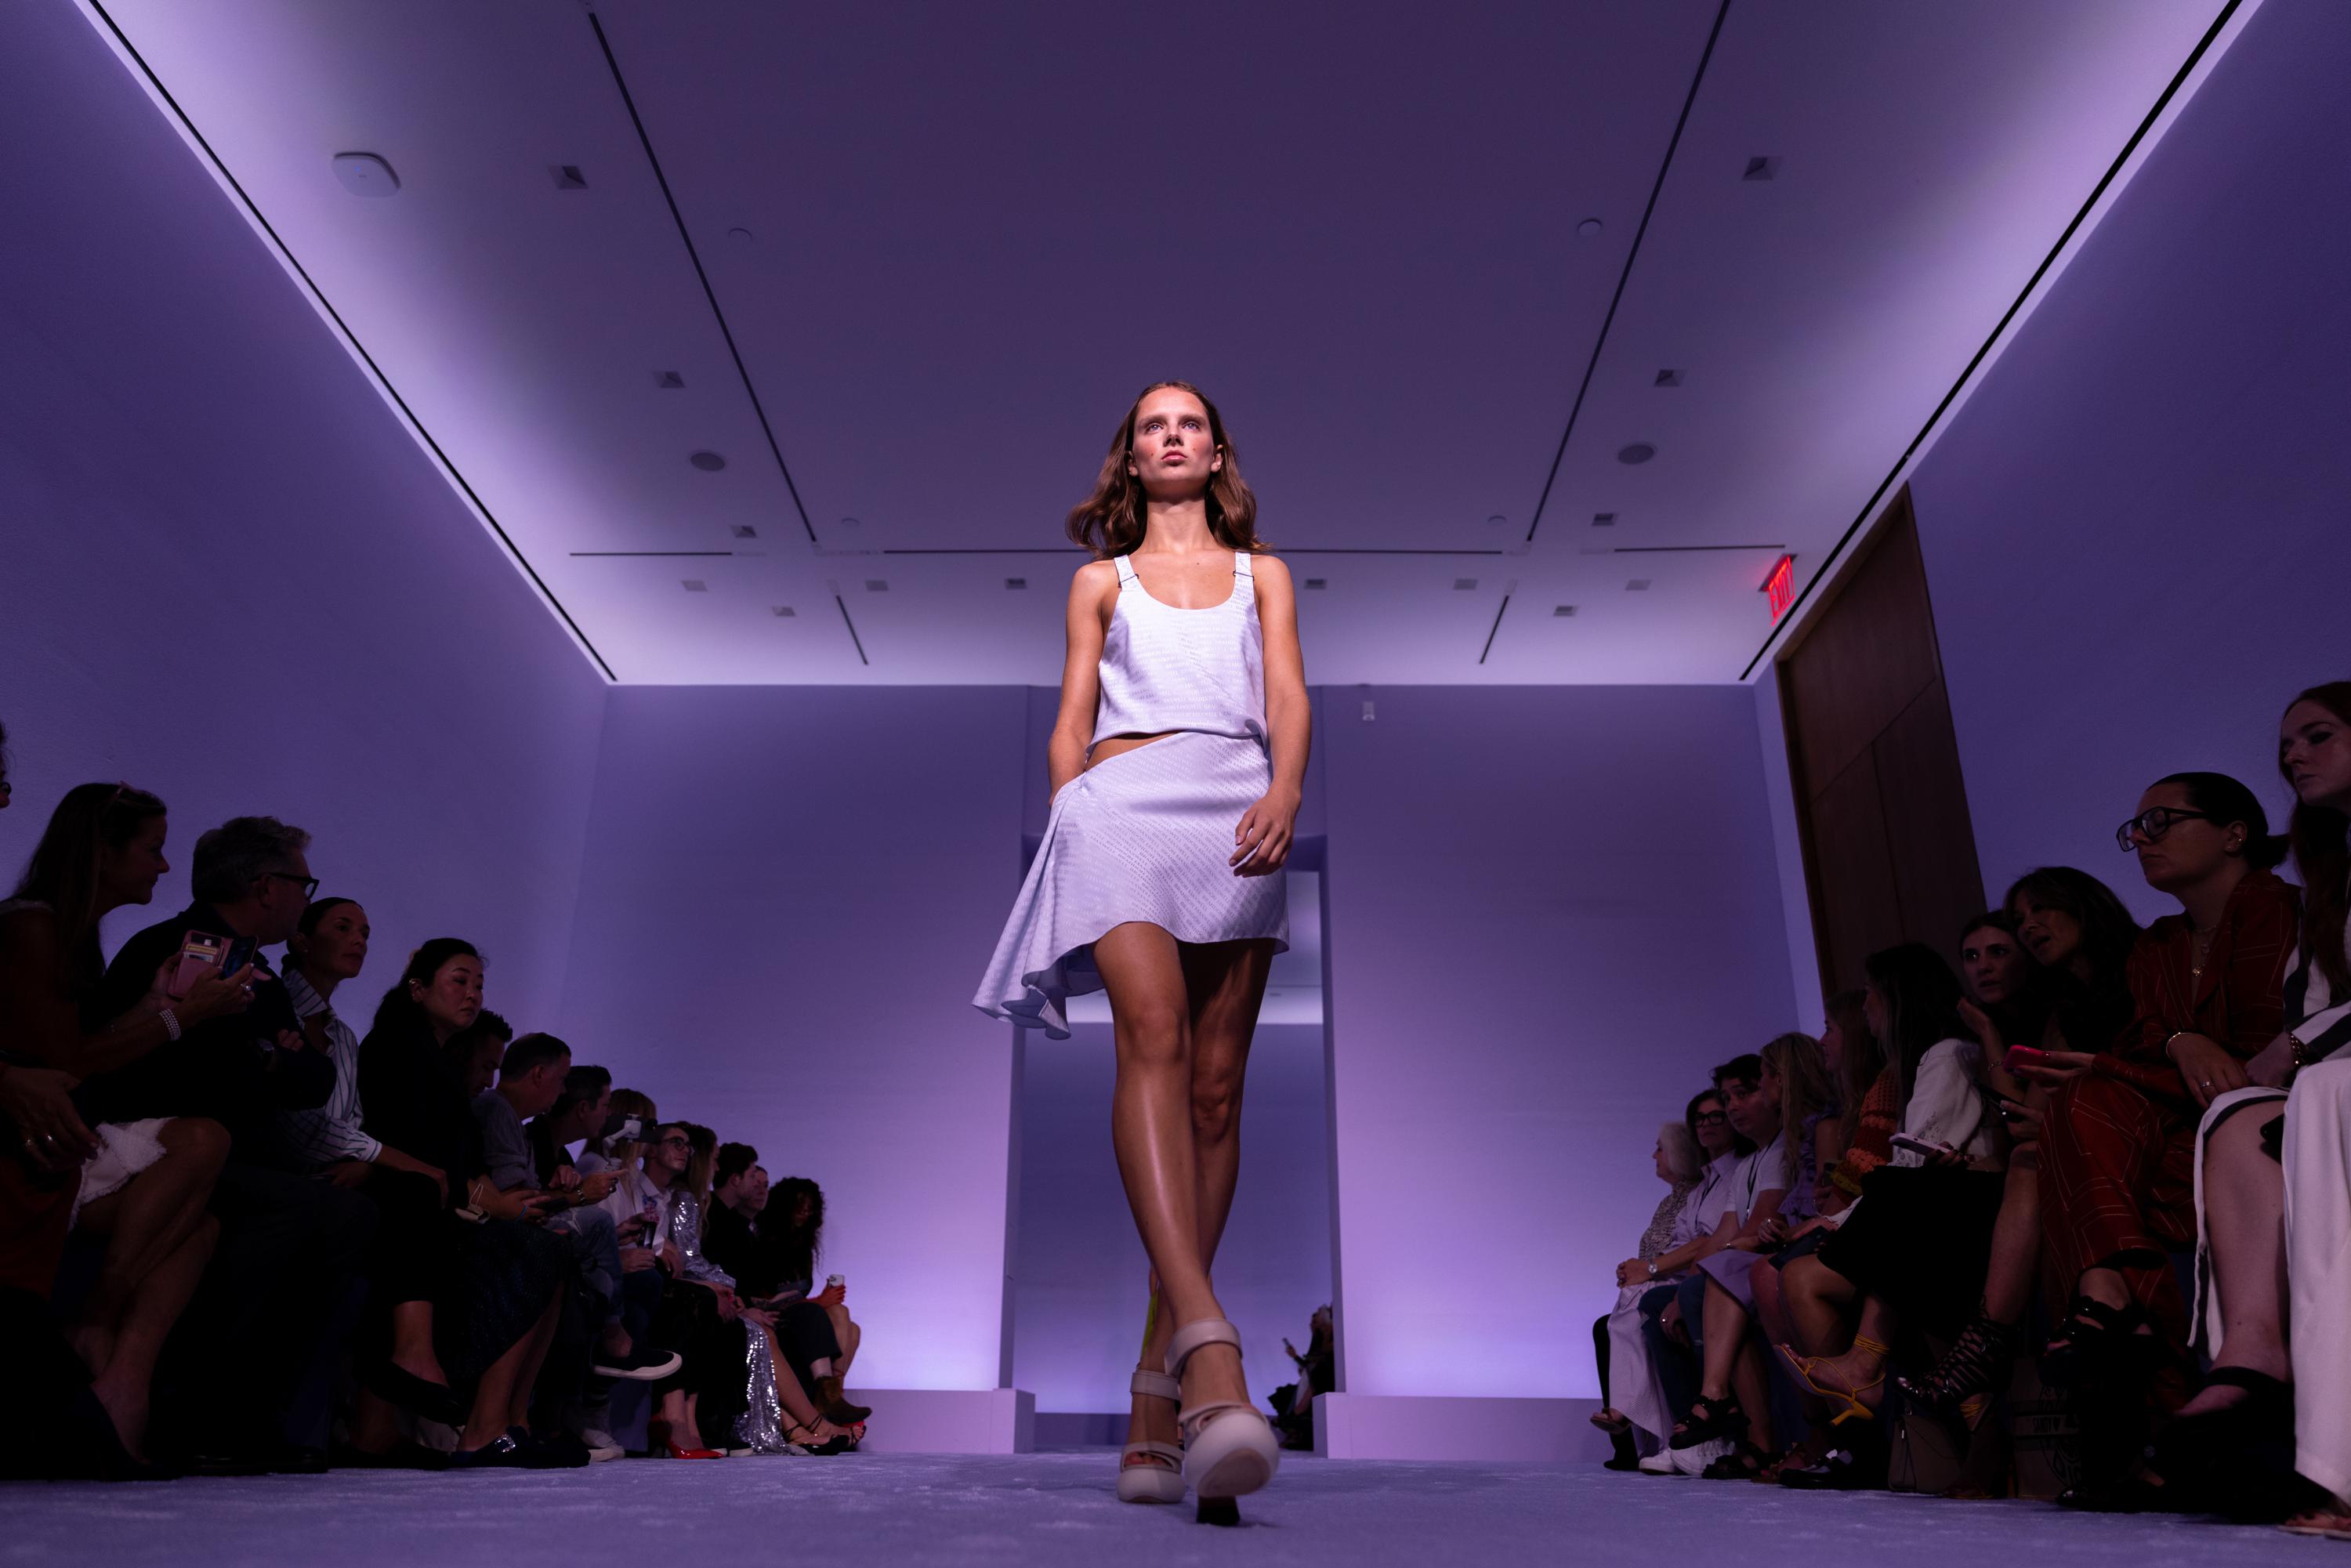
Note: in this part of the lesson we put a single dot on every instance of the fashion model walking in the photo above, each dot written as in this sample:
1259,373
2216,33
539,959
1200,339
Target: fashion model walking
1176,766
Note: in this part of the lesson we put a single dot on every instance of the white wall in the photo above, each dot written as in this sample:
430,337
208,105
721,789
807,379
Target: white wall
225,573
787,899
1552,911
2135,532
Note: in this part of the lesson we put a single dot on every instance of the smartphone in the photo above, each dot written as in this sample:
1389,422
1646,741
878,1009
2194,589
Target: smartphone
241,952
1917,1145
2023,1056
200,952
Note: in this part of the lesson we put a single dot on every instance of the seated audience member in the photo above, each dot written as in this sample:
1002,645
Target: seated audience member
1679,1166
2118,1141
498,1311
578,1115
801,1330
1318,1373
1790,1099
396,1363
144,1185
290,1249
2075,998
632,1115
1650,1378
1758,1184
796,1206
2269,1434
1908,1235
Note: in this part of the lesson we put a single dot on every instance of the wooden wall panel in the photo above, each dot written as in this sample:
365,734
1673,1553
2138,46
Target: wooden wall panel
1855,900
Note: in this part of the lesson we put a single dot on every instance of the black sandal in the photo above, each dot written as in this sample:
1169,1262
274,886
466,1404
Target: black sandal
1972,1368
1744,1463
2237,1460
2095,1338
1710,1419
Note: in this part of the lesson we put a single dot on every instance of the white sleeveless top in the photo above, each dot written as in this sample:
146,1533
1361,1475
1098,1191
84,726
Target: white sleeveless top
1167,669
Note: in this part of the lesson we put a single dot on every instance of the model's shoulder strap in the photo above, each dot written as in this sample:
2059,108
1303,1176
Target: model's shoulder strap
1125,570
1241,565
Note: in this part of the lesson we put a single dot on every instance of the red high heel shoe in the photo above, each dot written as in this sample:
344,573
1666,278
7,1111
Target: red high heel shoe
659,1445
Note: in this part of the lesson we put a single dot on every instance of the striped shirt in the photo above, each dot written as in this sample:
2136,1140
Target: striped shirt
316,1139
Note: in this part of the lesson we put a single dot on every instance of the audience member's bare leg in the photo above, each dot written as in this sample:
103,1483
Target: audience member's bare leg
845,1334
1771,1305
411,1341
2016,1259
535,1348
1860,1370
2244,1215
1225,985
1818,1299
1152,1131
505,1386
791,1394
145,1222
156,1305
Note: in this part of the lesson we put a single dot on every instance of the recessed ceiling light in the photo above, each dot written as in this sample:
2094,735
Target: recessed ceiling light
1589,228
1563,609
1667,379
696,585
782,610
1639,452
1496,520
1762,169
1603,519
365,174
568,177
668,381
1016,584
1318,583
745,531
1462,584
741,236
877,585
708,462
1639,585
849,522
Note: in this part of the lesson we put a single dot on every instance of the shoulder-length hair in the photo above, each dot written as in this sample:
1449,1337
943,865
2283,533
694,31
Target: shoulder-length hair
2089,1014
2323,858
1920,996
1859,1058
1109,522
401,1011
1795,1060
63,872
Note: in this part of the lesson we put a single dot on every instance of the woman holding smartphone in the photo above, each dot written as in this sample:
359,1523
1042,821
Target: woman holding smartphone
1177,764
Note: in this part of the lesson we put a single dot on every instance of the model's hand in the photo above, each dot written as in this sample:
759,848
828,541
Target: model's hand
1261,841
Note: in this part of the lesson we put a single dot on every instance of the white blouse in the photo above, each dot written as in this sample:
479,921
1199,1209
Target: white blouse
1947,1106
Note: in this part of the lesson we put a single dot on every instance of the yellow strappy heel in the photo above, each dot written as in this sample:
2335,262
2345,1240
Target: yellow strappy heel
1849,1397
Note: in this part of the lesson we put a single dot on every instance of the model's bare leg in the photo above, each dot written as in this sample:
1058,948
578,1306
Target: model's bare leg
1224,985
1152,1131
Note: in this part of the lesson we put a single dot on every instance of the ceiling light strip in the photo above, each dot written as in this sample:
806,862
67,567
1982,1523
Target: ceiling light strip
853,637
1626,276
1686,550
708,293
123,49
1918,442
1495,628
1065,550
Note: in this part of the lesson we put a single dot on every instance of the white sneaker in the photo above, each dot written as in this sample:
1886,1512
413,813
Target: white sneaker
601,1445
1693,1461
1661,1463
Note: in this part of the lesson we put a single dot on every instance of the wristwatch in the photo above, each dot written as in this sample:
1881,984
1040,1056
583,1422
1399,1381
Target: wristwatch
1653,1268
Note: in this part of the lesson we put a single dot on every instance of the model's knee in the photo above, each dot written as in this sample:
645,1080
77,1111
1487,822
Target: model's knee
1215,1105
1155,1037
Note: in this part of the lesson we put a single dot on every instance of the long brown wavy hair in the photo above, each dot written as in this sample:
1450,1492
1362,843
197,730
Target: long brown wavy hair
2322,857
1110,521
63,871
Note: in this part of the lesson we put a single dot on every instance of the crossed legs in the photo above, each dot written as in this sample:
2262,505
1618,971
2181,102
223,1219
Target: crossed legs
1182,1016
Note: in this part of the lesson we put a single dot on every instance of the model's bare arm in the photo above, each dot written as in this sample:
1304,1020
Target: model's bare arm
1073,727
1264,837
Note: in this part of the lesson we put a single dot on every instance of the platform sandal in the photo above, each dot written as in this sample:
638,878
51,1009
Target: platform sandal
1710,1419
1970,1371
1230,1447
1848,1397
1152,1472
2096,1341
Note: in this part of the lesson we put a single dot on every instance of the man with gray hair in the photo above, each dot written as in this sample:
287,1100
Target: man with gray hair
289,1247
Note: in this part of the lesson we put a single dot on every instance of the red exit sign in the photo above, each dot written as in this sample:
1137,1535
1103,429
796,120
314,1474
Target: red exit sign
1780,586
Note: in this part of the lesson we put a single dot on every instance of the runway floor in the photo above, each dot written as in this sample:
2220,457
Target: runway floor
887,1509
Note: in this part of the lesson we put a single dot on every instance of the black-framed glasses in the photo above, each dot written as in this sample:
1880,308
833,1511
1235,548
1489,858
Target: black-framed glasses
2152,824
1712,1118
676,1140
308,884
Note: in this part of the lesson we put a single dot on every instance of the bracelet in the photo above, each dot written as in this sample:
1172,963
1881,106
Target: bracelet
2175,1034
2297,1050
171,1023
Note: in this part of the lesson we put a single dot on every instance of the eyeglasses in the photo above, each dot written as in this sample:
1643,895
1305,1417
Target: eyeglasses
308,884
674,1142
2151,825
1712,1118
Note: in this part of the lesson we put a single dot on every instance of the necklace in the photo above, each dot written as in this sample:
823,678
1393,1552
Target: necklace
2200,948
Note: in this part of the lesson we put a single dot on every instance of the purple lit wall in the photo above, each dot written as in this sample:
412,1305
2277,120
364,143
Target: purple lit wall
1551,912
2135,532
231,578
787,897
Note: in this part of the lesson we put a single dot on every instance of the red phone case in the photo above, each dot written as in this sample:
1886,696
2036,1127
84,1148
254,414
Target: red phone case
2020,1056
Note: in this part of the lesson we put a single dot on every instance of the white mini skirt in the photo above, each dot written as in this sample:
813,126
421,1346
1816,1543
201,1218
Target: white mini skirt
1147,835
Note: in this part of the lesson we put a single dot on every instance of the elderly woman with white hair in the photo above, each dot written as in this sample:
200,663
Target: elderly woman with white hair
1681,1163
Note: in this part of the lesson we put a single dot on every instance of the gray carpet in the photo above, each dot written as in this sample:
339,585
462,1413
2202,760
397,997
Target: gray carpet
1052,1508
